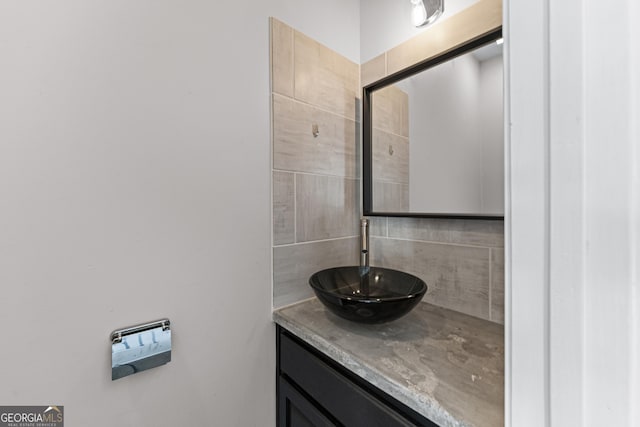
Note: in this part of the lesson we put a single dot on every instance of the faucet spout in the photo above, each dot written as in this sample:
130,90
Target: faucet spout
364,246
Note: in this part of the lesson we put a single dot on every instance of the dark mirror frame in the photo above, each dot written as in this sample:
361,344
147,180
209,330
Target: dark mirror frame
367,139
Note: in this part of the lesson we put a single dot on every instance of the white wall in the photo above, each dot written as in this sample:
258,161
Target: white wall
134,170
491,113
456,134
387,23
444,137
574,213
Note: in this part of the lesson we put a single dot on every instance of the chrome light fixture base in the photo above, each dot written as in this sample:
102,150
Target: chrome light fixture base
425,12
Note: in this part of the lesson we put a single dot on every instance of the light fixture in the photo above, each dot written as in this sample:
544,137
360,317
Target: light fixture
499,41
424,14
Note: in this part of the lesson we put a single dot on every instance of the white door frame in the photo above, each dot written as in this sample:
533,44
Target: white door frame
572,224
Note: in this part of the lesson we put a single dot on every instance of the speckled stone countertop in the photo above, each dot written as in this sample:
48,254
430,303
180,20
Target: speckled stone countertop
443,364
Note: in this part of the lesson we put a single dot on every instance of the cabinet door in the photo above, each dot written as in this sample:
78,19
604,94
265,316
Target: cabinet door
294,410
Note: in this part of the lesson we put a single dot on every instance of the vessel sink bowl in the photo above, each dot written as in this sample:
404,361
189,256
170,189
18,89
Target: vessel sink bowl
377,296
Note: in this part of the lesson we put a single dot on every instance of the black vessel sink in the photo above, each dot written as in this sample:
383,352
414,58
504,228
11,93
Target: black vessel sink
377,296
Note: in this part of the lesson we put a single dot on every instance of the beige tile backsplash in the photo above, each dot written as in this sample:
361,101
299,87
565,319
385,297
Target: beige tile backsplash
324,78
295,148
316,189
373,70
378,226
294,264
283,207
457,277
462,261
459,231
282,54
326,207
462,277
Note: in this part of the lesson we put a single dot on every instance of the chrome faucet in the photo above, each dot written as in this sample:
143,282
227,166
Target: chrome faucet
364,246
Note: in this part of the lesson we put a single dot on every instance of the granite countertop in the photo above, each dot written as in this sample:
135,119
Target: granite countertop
445,365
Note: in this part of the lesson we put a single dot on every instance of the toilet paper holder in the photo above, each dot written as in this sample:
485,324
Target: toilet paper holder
141,347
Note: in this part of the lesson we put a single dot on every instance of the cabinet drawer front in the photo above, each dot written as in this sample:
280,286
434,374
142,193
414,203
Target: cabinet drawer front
347,402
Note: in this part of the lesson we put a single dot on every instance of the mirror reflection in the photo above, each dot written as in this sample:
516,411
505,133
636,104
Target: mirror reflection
437,139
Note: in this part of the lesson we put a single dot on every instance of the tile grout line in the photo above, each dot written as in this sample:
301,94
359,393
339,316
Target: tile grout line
490,284
386,62
333,239
295,176
391,133
299,101
316,174
293,61
295,208
435,242
390,182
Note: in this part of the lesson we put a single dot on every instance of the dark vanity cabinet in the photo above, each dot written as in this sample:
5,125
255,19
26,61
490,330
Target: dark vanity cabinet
314,390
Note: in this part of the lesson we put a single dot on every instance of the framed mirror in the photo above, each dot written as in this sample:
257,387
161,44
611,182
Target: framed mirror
433,136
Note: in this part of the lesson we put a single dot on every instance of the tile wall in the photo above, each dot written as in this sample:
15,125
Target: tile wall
316,179
390,133
462,261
